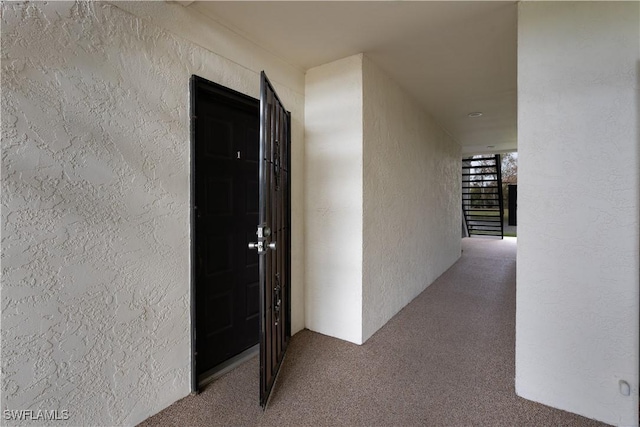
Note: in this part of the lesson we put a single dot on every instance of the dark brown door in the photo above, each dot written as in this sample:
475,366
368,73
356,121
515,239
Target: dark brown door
273,236
225,192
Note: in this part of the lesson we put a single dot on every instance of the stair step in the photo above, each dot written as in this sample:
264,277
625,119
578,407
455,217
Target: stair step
484,214
480,173
493,166
480,159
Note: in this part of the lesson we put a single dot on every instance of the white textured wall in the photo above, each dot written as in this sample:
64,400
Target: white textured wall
411,224
578,206
238,67
190,24
333,218
95,205
382,199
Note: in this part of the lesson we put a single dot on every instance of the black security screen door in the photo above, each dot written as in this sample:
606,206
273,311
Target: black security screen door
273,235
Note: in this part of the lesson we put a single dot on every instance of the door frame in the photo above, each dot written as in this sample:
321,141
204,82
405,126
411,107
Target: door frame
198,85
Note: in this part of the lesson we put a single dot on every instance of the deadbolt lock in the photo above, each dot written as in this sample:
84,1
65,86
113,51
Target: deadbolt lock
263,231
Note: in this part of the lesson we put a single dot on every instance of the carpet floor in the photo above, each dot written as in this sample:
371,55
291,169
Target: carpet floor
446,359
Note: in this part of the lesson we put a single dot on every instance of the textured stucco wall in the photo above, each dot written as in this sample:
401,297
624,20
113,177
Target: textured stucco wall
578,207
190,24
382,199
411,179
333,220
239,67
95,207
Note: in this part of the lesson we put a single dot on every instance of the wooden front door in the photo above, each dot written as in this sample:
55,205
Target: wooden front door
225,210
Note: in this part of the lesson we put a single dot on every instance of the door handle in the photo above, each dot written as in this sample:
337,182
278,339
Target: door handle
260,246
257,245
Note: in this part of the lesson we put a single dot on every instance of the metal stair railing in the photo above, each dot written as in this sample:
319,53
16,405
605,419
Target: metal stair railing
482,198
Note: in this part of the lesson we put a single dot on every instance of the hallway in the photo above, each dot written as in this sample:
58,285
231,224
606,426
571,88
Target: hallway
446,359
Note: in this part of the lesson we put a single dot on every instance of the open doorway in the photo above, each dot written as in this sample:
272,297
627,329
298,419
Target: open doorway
225,288
509,174
489,195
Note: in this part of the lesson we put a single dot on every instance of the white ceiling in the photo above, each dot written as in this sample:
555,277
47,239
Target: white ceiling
453,57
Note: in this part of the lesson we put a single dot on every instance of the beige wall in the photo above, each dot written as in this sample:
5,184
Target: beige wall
95,201
411,211
382,197
333,135
238,65
578,207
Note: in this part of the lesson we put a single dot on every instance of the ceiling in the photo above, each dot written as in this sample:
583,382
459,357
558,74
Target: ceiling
453,57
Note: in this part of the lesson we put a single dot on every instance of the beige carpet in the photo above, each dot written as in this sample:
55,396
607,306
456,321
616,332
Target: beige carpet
447,359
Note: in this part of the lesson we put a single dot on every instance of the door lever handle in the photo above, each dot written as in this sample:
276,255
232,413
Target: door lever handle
272,246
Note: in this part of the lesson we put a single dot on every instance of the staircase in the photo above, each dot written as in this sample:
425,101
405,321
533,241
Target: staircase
482,196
